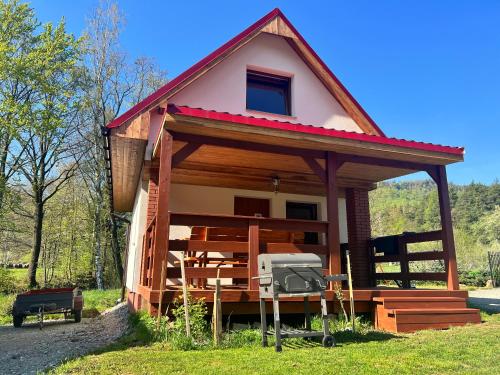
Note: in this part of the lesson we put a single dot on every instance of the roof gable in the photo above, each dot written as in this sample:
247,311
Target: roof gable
224,87
275,23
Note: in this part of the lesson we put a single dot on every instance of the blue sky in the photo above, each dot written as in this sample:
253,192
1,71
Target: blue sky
424,70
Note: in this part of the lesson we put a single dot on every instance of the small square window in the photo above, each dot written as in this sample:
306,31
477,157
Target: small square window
268,93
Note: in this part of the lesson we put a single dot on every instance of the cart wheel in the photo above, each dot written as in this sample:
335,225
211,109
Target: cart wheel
78,316
328,341
17,320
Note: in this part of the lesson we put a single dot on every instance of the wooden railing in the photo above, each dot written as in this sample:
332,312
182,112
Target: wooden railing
249,236
148,254
403,257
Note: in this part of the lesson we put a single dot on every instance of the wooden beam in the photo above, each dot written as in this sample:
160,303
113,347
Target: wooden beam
209,246
433,174
436,276
184,153
332,198
412,257
316,168
208,272
346,158
447,228
435,235
160,251
261,183
228,221
245,145
280,248
239,296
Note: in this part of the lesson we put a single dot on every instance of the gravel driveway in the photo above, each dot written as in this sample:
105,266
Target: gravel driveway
28,350
486,299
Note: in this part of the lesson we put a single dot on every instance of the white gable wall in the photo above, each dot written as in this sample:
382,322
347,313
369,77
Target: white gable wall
137,228
223,88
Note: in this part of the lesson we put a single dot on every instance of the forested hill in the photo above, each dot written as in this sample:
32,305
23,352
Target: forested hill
413,206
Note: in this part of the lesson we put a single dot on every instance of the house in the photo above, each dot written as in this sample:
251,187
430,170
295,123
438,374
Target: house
260,148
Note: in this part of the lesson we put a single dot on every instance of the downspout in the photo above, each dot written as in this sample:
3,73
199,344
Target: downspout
109,178
106,143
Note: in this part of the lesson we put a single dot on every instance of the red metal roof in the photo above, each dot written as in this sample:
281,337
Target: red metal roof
309,129
164,90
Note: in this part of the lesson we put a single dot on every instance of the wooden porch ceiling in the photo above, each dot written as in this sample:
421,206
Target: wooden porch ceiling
235,168
128,156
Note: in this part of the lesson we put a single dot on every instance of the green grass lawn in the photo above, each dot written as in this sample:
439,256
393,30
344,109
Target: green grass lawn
471,349
19,274
95,302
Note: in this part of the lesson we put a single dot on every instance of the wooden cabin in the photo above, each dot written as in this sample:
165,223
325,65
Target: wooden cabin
259,148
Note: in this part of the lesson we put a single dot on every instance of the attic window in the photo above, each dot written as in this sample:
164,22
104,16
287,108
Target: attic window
268,93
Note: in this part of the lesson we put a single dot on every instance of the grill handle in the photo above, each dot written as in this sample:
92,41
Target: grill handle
261,278
339,277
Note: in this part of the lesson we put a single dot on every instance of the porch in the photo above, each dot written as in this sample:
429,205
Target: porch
233,256
227,246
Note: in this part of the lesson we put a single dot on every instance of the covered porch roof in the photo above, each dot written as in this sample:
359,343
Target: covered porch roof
226,150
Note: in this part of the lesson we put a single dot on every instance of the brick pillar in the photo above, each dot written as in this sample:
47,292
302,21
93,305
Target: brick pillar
359,232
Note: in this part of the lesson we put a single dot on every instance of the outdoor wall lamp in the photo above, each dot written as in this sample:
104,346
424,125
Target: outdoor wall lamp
276,184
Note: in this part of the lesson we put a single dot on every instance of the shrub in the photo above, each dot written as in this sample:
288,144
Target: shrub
477,278
197,323
6,303
7,282
173,332
144,327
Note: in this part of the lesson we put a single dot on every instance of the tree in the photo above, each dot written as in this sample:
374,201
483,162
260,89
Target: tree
50,143
110,84
17,52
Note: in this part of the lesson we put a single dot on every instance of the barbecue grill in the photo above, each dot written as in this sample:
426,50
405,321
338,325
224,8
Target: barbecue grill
293,275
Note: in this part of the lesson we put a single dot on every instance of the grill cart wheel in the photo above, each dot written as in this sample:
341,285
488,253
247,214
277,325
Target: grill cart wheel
78,316
328,341
17,320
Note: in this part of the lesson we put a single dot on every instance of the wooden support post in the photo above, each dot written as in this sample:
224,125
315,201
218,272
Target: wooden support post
162,287
332,198
403,262
447,228
253,252
162,227
351,293
185,295
217,312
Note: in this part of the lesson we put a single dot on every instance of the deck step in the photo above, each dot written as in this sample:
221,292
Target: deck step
410,314
421,302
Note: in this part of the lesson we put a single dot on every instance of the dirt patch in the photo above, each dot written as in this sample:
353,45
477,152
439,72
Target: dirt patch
28,350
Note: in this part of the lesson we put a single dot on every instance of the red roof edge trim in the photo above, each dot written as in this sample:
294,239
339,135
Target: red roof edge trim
310,129
162,91
334,77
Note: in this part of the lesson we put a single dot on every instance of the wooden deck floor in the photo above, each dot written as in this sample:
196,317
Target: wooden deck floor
241,301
